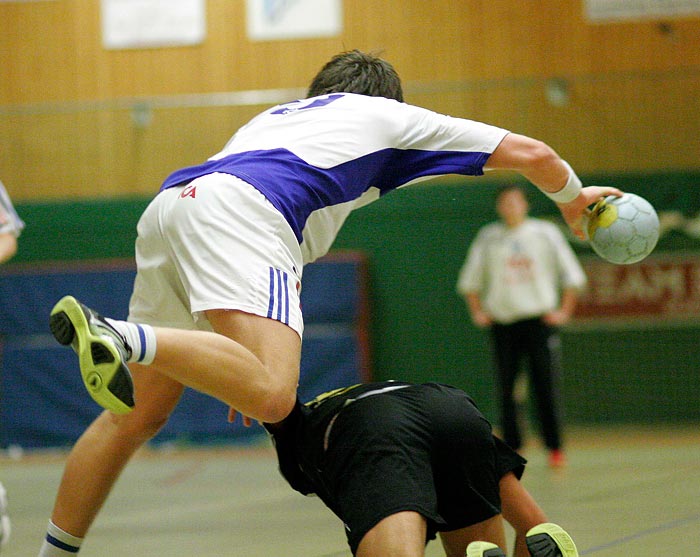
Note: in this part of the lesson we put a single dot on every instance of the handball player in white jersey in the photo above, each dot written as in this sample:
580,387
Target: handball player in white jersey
221,250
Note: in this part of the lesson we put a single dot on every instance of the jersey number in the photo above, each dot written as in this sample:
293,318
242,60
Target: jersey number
306,103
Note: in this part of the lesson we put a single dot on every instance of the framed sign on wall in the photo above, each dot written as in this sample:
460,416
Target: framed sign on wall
152,23
617,10
268,20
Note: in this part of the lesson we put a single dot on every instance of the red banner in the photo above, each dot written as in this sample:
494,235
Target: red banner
660,289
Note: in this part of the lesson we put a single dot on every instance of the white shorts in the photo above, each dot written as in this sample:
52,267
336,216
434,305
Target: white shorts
216,243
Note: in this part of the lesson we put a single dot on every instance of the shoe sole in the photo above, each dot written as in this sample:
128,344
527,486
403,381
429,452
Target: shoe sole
550,540
106,377
484,549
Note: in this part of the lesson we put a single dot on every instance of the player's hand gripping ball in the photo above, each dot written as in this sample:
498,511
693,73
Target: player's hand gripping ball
623,230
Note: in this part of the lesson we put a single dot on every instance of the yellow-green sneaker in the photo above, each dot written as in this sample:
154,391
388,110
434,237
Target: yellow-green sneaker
550,540
102,353
484,549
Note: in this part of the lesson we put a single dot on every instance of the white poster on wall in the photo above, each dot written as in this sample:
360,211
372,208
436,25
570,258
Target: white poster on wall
152,23
611,10
269,20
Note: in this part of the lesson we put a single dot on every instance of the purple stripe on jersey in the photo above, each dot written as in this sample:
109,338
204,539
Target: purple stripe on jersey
297,188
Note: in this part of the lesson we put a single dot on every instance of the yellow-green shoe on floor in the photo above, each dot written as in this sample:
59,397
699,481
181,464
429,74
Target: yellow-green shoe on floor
550,540
102,353
484,549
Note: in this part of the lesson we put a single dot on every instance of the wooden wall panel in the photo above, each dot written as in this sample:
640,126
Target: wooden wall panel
474,58
52,50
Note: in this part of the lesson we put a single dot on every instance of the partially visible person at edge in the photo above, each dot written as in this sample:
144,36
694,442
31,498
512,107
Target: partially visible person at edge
521,279
221,249
11,226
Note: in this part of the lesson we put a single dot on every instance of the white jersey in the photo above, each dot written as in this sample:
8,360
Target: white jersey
519,272
9,219
318,159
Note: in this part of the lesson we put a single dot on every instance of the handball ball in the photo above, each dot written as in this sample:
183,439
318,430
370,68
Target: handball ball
623,230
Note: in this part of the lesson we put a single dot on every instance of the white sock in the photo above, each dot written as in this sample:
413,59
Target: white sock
59,543
141,339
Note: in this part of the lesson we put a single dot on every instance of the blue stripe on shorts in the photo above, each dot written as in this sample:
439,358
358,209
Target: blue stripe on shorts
278,304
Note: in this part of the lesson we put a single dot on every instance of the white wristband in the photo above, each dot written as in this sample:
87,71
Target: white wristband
571,189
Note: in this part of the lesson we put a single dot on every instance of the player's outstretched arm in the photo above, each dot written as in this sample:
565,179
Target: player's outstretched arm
542,166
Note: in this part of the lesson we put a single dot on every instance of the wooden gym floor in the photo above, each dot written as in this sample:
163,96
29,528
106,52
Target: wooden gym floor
631,492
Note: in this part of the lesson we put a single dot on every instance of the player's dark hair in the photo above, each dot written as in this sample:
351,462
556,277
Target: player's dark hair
357,72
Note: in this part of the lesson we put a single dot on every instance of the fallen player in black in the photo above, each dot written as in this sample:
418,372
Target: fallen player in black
399,463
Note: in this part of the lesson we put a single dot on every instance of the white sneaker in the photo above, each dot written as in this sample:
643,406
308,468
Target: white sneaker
5,527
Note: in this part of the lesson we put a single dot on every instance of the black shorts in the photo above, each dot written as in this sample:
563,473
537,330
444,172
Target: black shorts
423,448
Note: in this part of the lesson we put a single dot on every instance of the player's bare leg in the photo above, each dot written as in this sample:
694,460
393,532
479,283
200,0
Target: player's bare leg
491,530
399,535
264,385
257,373
250,362
99,456
260,382
520,510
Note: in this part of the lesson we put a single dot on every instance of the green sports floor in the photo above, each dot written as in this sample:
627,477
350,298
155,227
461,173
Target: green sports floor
626,491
